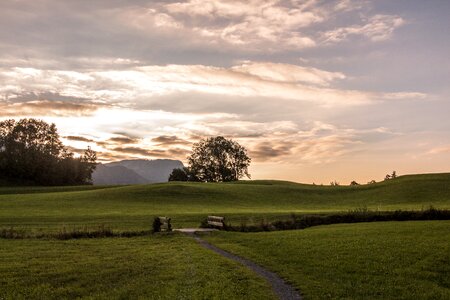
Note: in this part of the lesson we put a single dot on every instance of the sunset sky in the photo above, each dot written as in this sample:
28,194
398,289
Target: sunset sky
317,91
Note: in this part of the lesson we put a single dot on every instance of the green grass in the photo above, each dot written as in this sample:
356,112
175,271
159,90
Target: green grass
132,207
158,267
387,260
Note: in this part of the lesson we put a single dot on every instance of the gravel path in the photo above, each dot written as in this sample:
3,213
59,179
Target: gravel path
283,290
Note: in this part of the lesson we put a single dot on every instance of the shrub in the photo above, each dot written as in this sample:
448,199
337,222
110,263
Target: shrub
156,226
353,216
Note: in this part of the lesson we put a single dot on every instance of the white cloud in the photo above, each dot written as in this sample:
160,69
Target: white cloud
439,150
377,28
288,73
405,96
238,23
136,84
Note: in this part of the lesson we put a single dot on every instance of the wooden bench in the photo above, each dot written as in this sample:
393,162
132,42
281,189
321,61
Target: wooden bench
164,224
215,221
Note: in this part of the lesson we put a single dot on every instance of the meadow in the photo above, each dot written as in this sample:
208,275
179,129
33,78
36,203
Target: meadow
383,260
133,207
158,267
386,260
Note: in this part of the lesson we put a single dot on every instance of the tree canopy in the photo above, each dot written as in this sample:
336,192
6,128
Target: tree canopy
179,174
31,152
217,159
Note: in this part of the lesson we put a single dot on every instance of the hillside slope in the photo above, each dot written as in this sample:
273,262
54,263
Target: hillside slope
188,203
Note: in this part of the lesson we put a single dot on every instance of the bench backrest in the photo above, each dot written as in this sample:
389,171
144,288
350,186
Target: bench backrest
216,221
165,224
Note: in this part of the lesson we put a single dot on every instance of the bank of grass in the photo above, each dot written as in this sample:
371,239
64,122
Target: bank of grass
162,266
131,208
353,216
387,260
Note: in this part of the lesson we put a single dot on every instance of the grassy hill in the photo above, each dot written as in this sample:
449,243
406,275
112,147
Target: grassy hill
386,260
152,267
132,207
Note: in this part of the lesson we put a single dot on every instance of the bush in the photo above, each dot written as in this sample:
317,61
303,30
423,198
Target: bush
156,226
353,216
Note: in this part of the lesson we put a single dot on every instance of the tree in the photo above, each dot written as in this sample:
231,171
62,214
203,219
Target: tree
217,159
179,174
354,183
391,176
31,152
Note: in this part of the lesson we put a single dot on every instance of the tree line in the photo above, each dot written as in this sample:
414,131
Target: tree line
31,152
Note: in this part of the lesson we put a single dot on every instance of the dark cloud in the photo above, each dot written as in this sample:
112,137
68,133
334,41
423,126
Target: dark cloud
123,140
268,150
160,153
44,96
178,152
47,108
112,156
79,139
141,151
167,140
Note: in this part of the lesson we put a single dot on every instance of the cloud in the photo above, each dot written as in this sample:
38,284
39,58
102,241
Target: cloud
174,153
288,73
76,150
123,140
78,139
405,96
247,23
267,151
322,143
98,35
248,87
376,28
140,151
166,140
47,108
439,150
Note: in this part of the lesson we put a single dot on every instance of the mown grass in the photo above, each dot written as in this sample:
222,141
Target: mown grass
161,266
133,207
387,260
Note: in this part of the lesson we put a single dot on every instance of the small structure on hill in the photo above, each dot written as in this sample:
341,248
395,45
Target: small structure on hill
161,224
216,222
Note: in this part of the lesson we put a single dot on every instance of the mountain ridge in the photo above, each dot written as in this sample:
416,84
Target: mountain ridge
135,171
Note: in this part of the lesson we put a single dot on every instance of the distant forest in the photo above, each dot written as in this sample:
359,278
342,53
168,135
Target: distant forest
32,153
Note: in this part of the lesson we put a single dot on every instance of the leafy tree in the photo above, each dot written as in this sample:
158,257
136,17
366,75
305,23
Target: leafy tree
217,159
371,182
88,160
179,174
31,152
354,183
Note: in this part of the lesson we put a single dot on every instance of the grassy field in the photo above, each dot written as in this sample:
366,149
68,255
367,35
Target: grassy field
159,267
387,260
132,207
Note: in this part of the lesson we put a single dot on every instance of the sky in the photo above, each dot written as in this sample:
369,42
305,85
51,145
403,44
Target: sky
317,91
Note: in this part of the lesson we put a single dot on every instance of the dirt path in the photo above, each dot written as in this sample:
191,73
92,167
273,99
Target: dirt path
283,290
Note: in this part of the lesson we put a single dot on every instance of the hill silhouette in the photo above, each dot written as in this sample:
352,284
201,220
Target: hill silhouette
138,171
